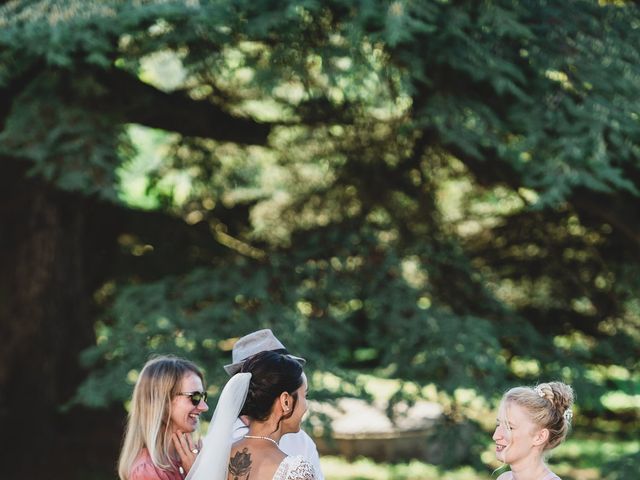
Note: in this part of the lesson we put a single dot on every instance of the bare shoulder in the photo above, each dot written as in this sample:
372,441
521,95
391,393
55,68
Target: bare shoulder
505,476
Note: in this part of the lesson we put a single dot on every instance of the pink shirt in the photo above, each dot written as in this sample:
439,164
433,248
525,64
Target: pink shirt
144,469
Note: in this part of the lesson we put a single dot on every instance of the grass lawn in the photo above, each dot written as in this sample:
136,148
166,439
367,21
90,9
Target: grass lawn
577,459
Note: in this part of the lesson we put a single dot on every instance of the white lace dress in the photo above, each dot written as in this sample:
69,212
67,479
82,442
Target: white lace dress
294,468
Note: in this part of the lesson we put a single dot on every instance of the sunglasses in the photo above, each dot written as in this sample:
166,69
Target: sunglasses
195,397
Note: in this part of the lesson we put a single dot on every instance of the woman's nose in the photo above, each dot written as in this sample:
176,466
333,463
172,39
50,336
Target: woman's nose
497,434
202,406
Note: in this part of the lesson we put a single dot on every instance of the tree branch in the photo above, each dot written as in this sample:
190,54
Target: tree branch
620,210
139,102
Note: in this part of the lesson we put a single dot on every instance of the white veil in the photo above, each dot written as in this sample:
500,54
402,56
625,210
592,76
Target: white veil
213,459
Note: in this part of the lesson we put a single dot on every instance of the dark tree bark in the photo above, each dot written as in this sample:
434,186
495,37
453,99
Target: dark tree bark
54,252
56,249
134,101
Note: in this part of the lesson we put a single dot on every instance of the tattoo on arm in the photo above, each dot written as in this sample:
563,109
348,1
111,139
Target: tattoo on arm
240,465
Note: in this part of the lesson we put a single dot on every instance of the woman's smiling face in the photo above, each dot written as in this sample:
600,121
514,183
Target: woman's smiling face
301,406
185,415
515,434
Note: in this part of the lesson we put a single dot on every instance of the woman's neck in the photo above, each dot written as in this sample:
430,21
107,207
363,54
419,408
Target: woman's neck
171,448
529,468
264,429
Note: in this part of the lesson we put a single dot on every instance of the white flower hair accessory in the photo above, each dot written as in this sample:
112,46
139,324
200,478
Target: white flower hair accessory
538,390
568,415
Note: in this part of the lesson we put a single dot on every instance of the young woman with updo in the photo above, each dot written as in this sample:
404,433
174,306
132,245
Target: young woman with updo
531,422
275,404
271,392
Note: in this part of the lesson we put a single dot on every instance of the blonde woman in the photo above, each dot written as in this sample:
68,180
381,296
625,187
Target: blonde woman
167,401
531,422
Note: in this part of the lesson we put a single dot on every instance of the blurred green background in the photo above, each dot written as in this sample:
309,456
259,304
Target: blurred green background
432,201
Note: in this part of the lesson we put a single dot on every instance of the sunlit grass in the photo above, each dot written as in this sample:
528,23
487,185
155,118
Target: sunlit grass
592,452
336,468
585,458
577,459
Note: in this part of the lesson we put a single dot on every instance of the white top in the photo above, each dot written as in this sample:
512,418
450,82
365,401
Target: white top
509,476
294,468
293,444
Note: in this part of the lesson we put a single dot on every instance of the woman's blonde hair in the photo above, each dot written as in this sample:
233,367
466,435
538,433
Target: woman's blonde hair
549,405
148,421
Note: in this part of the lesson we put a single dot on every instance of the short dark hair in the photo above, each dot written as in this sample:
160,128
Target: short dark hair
271,374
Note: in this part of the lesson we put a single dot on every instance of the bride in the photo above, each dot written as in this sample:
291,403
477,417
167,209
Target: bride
270,392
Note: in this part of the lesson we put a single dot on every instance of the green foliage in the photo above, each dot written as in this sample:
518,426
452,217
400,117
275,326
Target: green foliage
313,298
544,101
624,467
66,145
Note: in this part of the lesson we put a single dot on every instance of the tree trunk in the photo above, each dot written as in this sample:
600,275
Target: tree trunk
53,253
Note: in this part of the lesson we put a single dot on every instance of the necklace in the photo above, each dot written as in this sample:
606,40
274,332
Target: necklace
260,437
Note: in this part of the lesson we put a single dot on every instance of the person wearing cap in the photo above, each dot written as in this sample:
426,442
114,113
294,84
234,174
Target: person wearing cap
292,444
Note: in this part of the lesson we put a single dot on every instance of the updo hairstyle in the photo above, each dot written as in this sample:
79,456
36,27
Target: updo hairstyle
272,374
549,405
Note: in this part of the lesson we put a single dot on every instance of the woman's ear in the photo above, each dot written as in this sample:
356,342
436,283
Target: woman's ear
541,437
285,401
